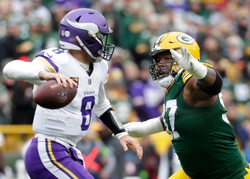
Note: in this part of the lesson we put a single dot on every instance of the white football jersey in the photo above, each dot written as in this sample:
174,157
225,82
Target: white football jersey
72,121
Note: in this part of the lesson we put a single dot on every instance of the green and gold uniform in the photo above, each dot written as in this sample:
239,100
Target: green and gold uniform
203,138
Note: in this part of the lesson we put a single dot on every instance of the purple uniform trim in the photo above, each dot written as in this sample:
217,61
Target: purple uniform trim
54,157
42,54
44,156
33,164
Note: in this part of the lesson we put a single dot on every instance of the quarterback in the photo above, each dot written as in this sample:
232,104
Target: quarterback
81,61
193,112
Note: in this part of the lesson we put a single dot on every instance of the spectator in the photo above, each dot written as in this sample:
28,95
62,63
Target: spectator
109,10
2,160
169,163
146,96
148,167
23,106
117,172
10,42
40,12
5,170
99,160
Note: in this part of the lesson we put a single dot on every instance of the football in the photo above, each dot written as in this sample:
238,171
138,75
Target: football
52,95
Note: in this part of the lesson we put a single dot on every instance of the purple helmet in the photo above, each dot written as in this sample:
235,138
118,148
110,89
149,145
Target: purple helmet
87,30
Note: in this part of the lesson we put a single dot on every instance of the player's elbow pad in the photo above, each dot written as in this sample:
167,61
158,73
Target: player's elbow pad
215,88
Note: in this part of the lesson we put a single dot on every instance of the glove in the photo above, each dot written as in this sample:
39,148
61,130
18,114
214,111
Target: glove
189,63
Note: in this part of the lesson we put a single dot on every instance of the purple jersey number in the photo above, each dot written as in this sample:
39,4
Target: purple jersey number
86,109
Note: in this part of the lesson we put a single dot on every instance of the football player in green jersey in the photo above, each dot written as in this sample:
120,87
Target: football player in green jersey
193,112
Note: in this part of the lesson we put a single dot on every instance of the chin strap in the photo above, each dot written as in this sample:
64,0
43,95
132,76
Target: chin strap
166,81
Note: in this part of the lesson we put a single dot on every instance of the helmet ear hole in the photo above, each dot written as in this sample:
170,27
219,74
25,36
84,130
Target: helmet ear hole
89,42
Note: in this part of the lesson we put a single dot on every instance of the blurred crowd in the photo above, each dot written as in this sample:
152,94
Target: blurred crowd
221,28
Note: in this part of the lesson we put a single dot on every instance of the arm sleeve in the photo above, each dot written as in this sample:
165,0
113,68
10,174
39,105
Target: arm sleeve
24,71
145,128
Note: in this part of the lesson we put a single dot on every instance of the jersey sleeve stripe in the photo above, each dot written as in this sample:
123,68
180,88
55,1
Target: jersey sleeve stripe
185,76
49,64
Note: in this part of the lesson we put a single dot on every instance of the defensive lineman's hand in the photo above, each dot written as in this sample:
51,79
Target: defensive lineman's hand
127,140
184,59
189,63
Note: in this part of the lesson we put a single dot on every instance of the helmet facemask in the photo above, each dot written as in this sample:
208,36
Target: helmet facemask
162,73
107,50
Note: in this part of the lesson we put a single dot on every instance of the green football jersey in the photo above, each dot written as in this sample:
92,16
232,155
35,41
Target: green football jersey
203,138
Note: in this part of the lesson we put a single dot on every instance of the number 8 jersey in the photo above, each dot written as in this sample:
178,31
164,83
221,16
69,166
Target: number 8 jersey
72,121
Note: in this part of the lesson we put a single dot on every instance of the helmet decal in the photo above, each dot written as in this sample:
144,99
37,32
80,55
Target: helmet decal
84,29
158,41
89,27
62,32
184,39
67,33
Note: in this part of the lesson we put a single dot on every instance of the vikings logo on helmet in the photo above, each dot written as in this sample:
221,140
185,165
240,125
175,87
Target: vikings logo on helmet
62,97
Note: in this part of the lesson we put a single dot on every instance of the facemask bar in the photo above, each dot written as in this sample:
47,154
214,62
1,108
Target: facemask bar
159,71
107,50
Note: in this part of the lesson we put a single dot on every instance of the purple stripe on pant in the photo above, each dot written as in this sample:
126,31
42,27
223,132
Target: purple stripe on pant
47,159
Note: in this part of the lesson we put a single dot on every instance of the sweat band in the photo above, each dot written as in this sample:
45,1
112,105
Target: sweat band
215,88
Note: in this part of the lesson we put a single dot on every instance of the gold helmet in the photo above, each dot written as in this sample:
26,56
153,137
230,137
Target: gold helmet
167,41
